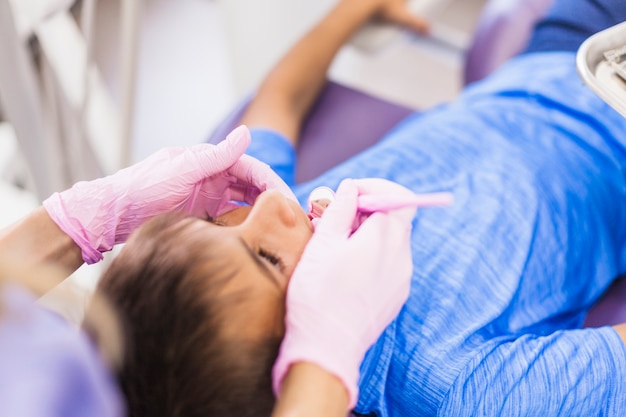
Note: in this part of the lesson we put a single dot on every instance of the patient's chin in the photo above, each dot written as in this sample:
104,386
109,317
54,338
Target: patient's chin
234,217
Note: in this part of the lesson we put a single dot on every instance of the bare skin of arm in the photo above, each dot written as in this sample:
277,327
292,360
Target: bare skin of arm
621,331
36,240
309,391
289,90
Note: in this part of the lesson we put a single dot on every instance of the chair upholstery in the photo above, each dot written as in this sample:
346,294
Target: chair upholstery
611,309
342,122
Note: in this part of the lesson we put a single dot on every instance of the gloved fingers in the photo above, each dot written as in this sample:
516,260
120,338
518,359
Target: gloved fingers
403,217
383,234
241,193
377,194
377,233
371,235
250,172
383,187
339,216
385,240
213,159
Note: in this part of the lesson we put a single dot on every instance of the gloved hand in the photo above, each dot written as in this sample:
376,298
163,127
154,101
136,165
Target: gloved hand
202,180
348,286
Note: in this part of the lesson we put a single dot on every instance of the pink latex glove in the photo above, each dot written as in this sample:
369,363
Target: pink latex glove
201,180
348,286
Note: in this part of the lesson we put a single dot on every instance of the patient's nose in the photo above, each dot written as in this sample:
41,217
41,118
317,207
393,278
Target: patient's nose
273,209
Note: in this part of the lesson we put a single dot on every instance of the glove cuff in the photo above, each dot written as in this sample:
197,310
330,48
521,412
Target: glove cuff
55,206
301,347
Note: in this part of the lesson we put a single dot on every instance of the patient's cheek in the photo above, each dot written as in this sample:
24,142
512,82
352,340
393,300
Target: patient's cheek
258,316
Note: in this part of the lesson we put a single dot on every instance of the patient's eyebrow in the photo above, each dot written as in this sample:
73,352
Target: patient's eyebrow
262,266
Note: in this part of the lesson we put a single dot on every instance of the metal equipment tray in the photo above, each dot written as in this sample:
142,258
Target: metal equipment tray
601,63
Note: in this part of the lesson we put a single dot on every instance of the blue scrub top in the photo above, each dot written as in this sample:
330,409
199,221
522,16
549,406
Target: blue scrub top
503,279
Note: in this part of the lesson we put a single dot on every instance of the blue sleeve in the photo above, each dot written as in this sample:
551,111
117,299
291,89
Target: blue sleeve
275,150
568,373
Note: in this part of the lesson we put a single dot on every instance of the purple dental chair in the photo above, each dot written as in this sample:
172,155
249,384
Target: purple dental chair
337,119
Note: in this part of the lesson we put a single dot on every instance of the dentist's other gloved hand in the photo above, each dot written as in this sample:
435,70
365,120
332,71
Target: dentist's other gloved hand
348,286
202,180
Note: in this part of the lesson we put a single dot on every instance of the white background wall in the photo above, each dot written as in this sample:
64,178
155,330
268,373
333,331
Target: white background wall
198,57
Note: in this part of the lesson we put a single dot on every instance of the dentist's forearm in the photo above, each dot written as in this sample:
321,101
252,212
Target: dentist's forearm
309,391
37,240
289,90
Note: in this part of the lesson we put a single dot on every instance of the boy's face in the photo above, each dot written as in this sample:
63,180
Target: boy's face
275,231
264,243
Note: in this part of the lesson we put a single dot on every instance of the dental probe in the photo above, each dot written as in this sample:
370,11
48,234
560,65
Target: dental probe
386,202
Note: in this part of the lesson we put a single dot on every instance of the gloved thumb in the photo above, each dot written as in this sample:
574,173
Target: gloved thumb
218,158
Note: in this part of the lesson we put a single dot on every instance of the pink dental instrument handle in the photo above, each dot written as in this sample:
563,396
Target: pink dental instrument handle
371,203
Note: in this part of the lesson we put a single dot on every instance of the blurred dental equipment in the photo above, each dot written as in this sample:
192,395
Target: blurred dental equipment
601,63
376,36
54,96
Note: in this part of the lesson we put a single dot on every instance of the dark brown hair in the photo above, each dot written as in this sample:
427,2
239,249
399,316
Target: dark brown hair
177,361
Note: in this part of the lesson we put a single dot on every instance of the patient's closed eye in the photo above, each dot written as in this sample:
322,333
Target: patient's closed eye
274,260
